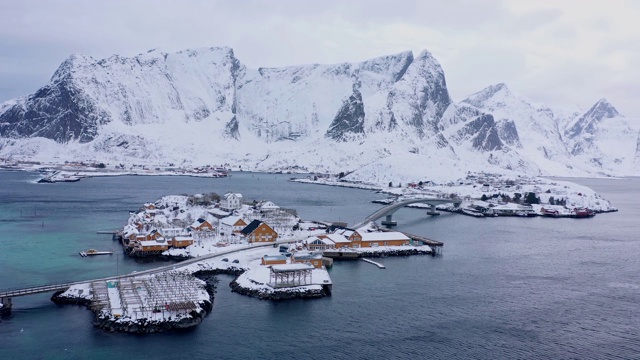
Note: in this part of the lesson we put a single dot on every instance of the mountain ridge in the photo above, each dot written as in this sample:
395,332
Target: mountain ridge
204,106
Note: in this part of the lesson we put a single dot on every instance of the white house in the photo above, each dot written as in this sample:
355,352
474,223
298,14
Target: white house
268,205
230,201
232,224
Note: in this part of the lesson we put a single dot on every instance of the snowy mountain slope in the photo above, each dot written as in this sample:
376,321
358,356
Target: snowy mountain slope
539,138
382,119
605,139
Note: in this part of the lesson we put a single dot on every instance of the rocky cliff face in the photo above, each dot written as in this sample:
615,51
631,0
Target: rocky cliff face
349,122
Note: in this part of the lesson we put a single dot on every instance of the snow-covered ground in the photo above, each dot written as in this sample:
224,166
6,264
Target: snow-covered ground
475,186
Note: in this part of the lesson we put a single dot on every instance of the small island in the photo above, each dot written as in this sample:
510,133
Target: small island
271,252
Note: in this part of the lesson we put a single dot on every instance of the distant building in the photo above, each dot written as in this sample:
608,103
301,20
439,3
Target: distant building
231,201
268,206
258,231
149,206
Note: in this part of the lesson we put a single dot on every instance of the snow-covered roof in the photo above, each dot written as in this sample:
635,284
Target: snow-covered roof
337,238
231,220
307,256
382,236
228,195
274,257
268,205
183,238
198,222
218,212
159,242
291,267
318,240
345,232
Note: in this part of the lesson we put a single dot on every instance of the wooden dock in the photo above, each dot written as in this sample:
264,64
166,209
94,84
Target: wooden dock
374,263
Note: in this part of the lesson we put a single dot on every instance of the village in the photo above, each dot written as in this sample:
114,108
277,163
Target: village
491,195
270,251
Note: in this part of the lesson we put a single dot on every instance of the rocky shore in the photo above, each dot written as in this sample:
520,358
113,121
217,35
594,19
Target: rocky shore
280,294
399,252
110,323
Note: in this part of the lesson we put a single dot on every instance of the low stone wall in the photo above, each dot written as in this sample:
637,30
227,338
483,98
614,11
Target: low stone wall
67,300
399,252
144,326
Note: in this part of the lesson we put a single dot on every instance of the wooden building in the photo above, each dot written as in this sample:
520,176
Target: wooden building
232,225
181,241
202,225
307,258
320,243
374,239
274,260
258,231
151,245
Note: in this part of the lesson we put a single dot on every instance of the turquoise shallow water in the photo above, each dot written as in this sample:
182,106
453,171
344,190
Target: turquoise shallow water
503,288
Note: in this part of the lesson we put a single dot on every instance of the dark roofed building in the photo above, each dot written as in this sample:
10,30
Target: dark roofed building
258,231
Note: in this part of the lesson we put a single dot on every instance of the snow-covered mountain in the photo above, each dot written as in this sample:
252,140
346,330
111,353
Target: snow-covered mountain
386,119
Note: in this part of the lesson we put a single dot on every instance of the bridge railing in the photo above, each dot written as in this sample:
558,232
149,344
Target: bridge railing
33,289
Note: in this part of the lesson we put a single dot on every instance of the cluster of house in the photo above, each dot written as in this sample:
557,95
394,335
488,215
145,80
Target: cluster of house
140,237
337,238
360,238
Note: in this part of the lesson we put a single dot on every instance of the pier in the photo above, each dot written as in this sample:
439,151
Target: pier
436,246
380,266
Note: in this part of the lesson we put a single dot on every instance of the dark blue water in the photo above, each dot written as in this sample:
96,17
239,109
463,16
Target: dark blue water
503,288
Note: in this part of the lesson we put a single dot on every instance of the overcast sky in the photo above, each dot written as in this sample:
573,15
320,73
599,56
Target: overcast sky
555,52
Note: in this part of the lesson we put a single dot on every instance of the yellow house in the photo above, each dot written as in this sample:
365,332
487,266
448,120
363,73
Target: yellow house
181,241
374,239
258,231
152,245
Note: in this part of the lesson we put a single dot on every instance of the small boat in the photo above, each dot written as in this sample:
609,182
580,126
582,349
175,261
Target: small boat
92,252
471,212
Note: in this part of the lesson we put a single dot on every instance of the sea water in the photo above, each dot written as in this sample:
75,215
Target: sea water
524,288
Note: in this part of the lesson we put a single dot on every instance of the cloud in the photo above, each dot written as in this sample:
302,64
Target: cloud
560,52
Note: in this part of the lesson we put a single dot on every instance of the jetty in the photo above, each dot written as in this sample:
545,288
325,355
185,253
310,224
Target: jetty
92,252
380,266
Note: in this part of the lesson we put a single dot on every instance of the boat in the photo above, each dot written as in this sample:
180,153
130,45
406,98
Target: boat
92,252
582,213
471,212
